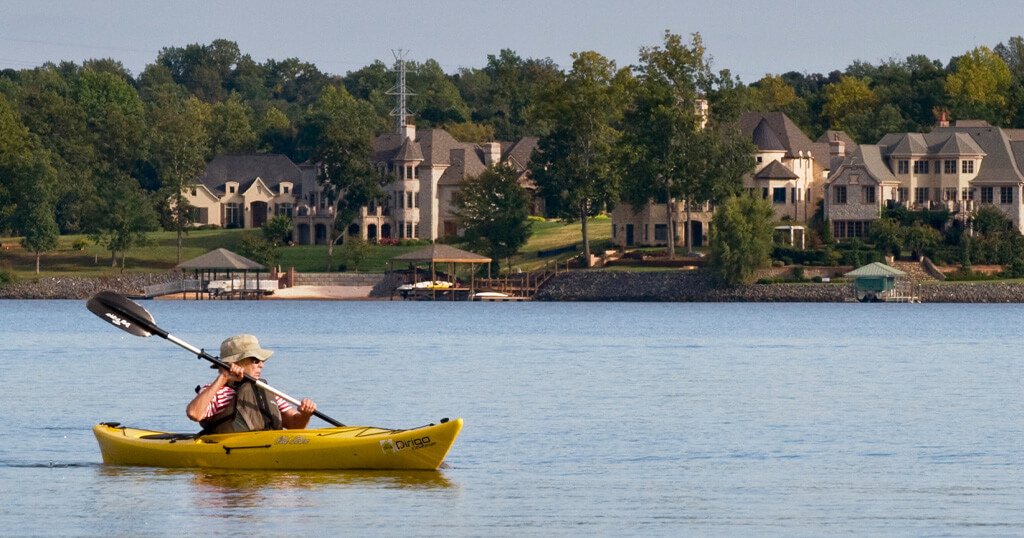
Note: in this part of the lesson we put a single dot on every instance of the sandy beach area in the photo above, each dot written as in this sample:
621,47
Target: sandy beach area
310,293
323,292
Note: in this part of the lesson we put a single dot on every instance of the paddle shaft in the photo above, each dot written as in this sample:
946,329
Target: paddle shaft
122,313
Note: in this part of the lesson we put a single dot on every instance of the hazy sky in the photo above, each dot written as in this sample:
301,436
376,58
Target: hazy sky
748,37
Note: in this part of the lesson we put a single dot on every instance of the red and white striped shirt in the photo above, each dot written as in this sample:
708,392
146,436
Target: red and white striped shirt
226,395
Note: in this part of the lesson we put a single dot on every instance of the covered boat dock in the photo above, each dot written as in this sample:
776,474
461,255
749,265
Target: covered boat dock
442,254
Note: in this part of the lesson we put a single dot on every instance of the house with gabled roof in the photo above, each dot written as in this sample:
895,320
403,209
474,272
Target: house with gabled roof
244,191
429,166
790,170
959,168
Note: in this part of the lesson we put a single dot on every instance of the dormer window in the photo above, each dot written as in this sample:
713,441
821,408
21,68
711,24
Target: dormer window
286,189
231,189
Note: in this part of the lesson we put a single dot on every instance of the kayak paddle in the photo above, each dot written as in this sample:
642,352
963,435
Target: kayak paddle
127,315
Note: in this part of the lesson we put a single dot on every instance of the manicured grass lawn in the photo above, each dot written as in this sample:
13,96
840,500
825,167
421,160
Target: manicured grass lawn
160,254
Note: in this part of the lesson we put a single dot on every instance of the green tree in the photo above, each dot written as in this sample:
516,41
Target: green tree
40,229
848,97
979,87
259,249
178,142
470,132
277,230
354,250
230,128
122,218
572,166
674,150
887,235
493,209
921,239
741,239
339,130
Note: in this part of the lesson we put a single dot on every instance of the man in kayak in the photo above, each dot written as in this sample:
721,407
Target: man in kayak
232,404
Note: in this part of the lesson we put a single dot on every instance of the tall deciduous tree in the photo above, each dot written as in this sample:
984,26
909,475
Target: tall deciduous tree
979,87
848,97
40,229
672,148
123,217
178,142
339,131
573,164
741,238
27,181
493,209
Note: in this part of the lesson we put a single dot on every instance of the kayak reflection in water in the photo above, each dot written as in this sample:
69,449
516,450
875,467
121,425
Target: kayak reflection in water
234,404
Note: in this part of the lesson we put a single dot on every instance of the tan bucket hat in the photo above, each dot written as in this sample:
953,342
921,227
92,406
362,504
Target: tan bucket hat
242,346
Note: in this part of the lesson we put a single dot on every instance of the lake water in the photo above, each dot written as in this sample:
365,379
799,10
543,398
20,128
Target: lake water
652,419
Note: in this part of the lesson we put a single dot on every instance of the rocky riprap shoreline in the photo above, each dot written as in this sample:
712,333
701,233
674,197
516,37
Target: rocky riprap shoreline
668,286
675,286
699,287
73,287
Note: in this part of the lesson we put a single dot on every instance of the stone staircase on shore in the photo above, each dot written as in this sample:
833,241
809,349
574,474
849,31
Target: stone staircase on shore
914,269
337,279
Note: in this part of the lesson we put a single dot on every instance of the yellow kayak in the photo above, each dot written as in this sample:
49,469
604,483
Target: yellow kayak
349,447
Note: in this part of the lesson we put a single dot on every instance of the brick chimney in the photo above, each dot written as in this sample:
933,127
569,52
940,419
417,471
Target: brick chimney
943,122
836,148
492,153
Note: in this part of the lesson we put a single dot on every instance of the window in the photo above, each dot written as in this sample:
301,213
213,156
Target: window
193,192
839,195
903,167
231,189
408,172
416,199
902,194
232,215
1005,195
949,194
792,195
843,229
779,195
967,194
968,167
401,229
921,195
986,195
286,189
759,159
408,199
869,195
661,232
285,209
764,193
950,166
921,167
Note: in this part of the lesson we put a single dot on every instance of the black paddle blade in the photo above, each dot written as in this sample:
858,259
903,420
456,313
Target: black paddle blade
121,312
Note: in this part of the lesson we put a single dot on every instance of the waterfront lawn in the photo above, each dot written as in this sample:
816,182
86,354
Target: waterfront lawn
160,253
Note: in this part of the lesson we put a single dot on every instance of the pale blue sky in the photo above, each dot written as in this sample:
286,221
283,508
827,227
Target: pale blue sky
748,37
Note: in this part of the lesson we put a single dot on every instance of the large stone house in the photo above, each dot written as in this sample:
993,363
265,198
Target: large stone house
790,170
959,168
429,167
244,191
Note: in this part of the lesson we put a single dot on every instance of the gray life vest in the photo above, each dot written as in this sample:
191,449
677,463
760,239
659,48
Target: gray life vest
253,409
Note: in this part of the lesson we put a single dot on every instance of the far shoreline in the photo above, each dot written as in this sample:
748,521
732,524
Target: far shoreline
574,286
